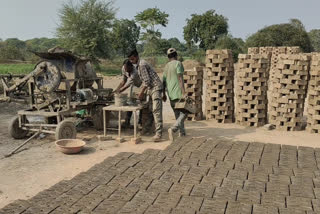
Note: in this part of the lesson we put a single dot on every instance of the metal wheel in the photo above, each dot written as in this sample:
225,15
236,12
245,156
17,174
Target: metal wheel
66,130
14,130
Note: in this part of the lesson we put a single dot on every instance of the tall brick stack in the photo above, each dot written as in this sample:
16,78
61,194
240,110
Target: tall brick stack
193,81
251,90
219,103
314,95
289,92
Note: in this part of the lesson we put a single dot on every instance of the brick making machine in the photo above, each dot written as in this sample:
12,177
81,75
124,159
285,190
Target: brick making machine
61,84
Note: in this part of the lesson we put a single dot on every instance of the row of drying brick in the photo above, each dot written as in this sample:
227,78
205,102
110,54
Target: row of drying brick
190,176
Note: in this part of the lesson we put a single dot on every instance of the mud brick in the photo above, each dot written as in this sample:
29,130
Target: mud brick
213,206
109,206
123,194
167,199
192,203
202,190
232,183
225,193
238,207
316,205
181,188
160,186
261,209
254,186
273,200
283,171
248,197
301,191
139,203
171,176
292,211
238,174
214,180
302,181
141,183
299,172
278,188
182,210
299,202
285,179
317,192
17,206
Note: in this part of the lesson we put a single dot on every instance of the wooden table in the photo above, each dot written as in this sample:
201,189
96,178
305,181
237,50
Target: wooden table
120,109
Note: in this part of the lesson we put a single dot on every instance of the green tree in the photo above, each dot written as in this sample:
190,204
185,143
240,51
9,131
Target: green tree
237,45
205,29
125,35
41,44
314,36
175,43
287,34
86,28
149,19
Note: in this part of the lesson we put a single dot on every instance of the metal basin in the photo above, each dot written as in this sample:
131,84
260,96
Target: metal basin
70,146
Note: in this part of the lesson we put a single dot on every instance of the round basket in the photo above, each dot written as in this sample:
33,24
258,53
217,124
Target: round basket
70,146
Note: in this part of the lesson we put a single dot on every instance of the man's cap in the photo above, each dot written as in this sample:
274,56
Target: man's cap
171,50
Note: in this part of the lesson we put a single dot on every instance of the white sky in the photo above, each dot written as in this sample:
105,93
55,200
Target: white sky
26,19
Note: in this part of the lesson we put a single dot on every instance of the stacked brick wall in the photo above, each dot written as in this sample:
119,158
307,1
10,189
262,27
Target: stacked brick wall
219,101
289,92
314,95
193,81
251,90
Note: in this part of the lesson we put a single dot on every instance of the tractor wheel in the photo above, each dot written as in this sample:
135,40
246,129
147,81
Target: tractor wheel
15,131
66,130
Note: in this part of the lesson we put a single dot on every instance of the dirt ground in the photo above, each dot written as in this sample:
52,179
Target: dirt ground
40,165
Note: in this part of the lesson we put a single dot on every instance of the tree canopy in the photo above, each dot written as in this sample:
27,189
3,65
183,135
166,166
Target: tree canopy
287,34
237,45
205,29
149,19
125,35
314,36
86,27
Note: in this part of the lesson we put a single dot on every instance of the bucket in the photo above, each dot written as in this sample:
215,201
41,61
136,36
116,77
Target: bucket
120,99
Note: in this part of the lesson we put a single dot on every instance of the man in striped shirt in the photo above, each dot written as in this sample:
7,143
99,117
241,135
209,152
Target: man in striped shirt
152,86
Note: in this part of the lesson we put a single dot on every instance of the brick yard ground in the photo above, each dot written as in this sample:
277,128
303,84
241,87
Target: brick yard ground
196,175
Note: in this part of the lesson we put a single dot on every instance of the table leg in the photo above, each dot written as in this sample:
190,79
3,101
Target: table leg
135,124
119,130
104,123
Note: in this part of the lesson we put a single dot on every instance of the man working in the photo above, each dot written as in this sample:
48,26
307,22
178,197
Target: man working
173,82
152,86
130,79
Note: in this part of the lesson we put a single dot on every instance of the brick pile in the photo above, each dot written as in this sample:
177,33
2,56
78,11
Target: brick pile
251,90
193,81
289,92
314,96
219,103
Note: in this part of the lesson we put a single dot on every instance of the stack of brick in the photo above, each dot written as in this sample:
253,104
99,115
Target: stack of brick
314,96
193,82
289,92
251,90
254,50
219,103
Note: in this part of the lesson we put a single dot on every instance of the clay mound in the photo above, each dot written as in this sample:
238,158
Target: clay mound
190,64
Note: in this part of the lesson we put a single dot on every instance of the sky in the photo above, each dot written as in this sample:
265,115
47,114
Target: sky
27,19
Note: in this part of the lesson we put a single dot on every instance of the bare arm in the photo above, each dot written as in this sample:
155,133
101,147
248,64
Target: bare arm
122,83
